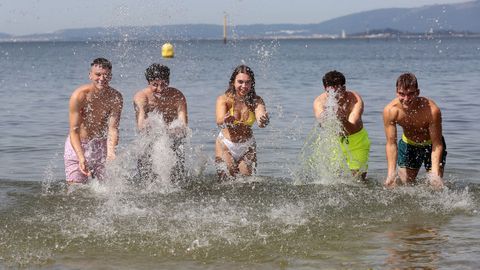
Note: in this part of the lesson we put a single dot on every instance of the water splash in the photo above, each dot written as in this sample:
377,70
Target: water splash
157,161
49,181
320,156
264,52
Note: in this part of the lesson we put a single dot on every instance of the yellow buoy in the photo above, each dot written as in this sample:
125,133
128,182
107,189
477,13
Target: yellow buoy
167,50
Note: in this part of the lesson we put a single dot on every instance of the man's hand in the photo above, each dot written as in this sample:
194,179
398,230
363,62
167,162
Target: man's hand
83,167
435,180
391,181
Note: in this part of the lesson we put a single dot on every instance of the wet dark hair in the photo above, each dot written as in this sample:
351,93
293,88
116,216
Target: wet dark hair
251,96
333,78
104,63
157,72
407,81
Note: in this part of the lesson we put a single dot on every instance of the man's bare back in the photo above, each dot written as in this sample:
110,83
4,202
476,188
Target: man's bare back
350,108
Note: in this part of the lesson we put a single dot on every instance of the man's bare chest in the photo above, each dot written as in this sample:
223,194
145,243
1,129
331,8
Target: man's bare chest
413,122
97,111
162,105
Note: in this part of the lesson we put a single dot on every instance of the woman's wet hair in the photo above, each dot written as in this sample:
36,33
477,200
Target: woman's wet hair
251,95
333,78
157,72
407,81
102,62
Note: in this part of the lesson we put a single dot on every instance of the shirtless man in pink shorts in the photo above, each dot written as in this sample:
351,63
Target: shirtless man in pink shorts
94,114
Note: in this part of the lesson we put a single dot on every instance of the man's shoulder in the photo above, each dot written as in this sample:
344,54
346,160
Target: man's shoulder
355,96
434,109
393,107
173,94
430,102
394,103
320,98
172,91
84,88
115,92
81,91
354,93
140,95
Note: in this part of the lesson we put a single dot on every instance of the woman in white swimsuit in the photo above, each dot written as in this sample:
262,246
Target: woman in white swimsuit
236,112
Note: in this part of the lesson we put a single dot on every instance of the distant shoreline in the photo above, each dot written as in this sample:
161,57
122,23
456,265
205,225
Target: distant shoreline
459,20
299,37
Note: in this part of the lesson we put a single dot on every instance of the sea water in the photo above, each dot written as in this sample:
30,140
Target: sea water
271,220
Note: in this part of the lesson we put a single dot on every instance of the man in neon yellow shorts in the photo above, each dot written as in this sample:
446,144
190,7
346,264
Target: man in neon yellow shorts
422,140
354,141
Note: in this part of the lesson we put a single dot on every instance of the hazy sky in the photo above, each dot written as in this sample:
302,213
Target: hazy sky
21,17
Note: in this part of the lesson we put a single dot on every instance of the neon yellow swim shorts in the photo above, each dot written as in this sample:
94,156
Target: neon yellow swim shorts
356,148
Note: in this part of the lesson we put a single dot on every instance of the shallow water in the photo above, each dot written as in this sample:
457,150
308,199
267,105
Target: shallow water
274,220
266,223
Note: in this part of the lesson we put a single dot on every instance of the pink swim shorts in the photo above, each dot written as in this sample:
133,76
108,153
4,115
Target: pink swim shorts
95,152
